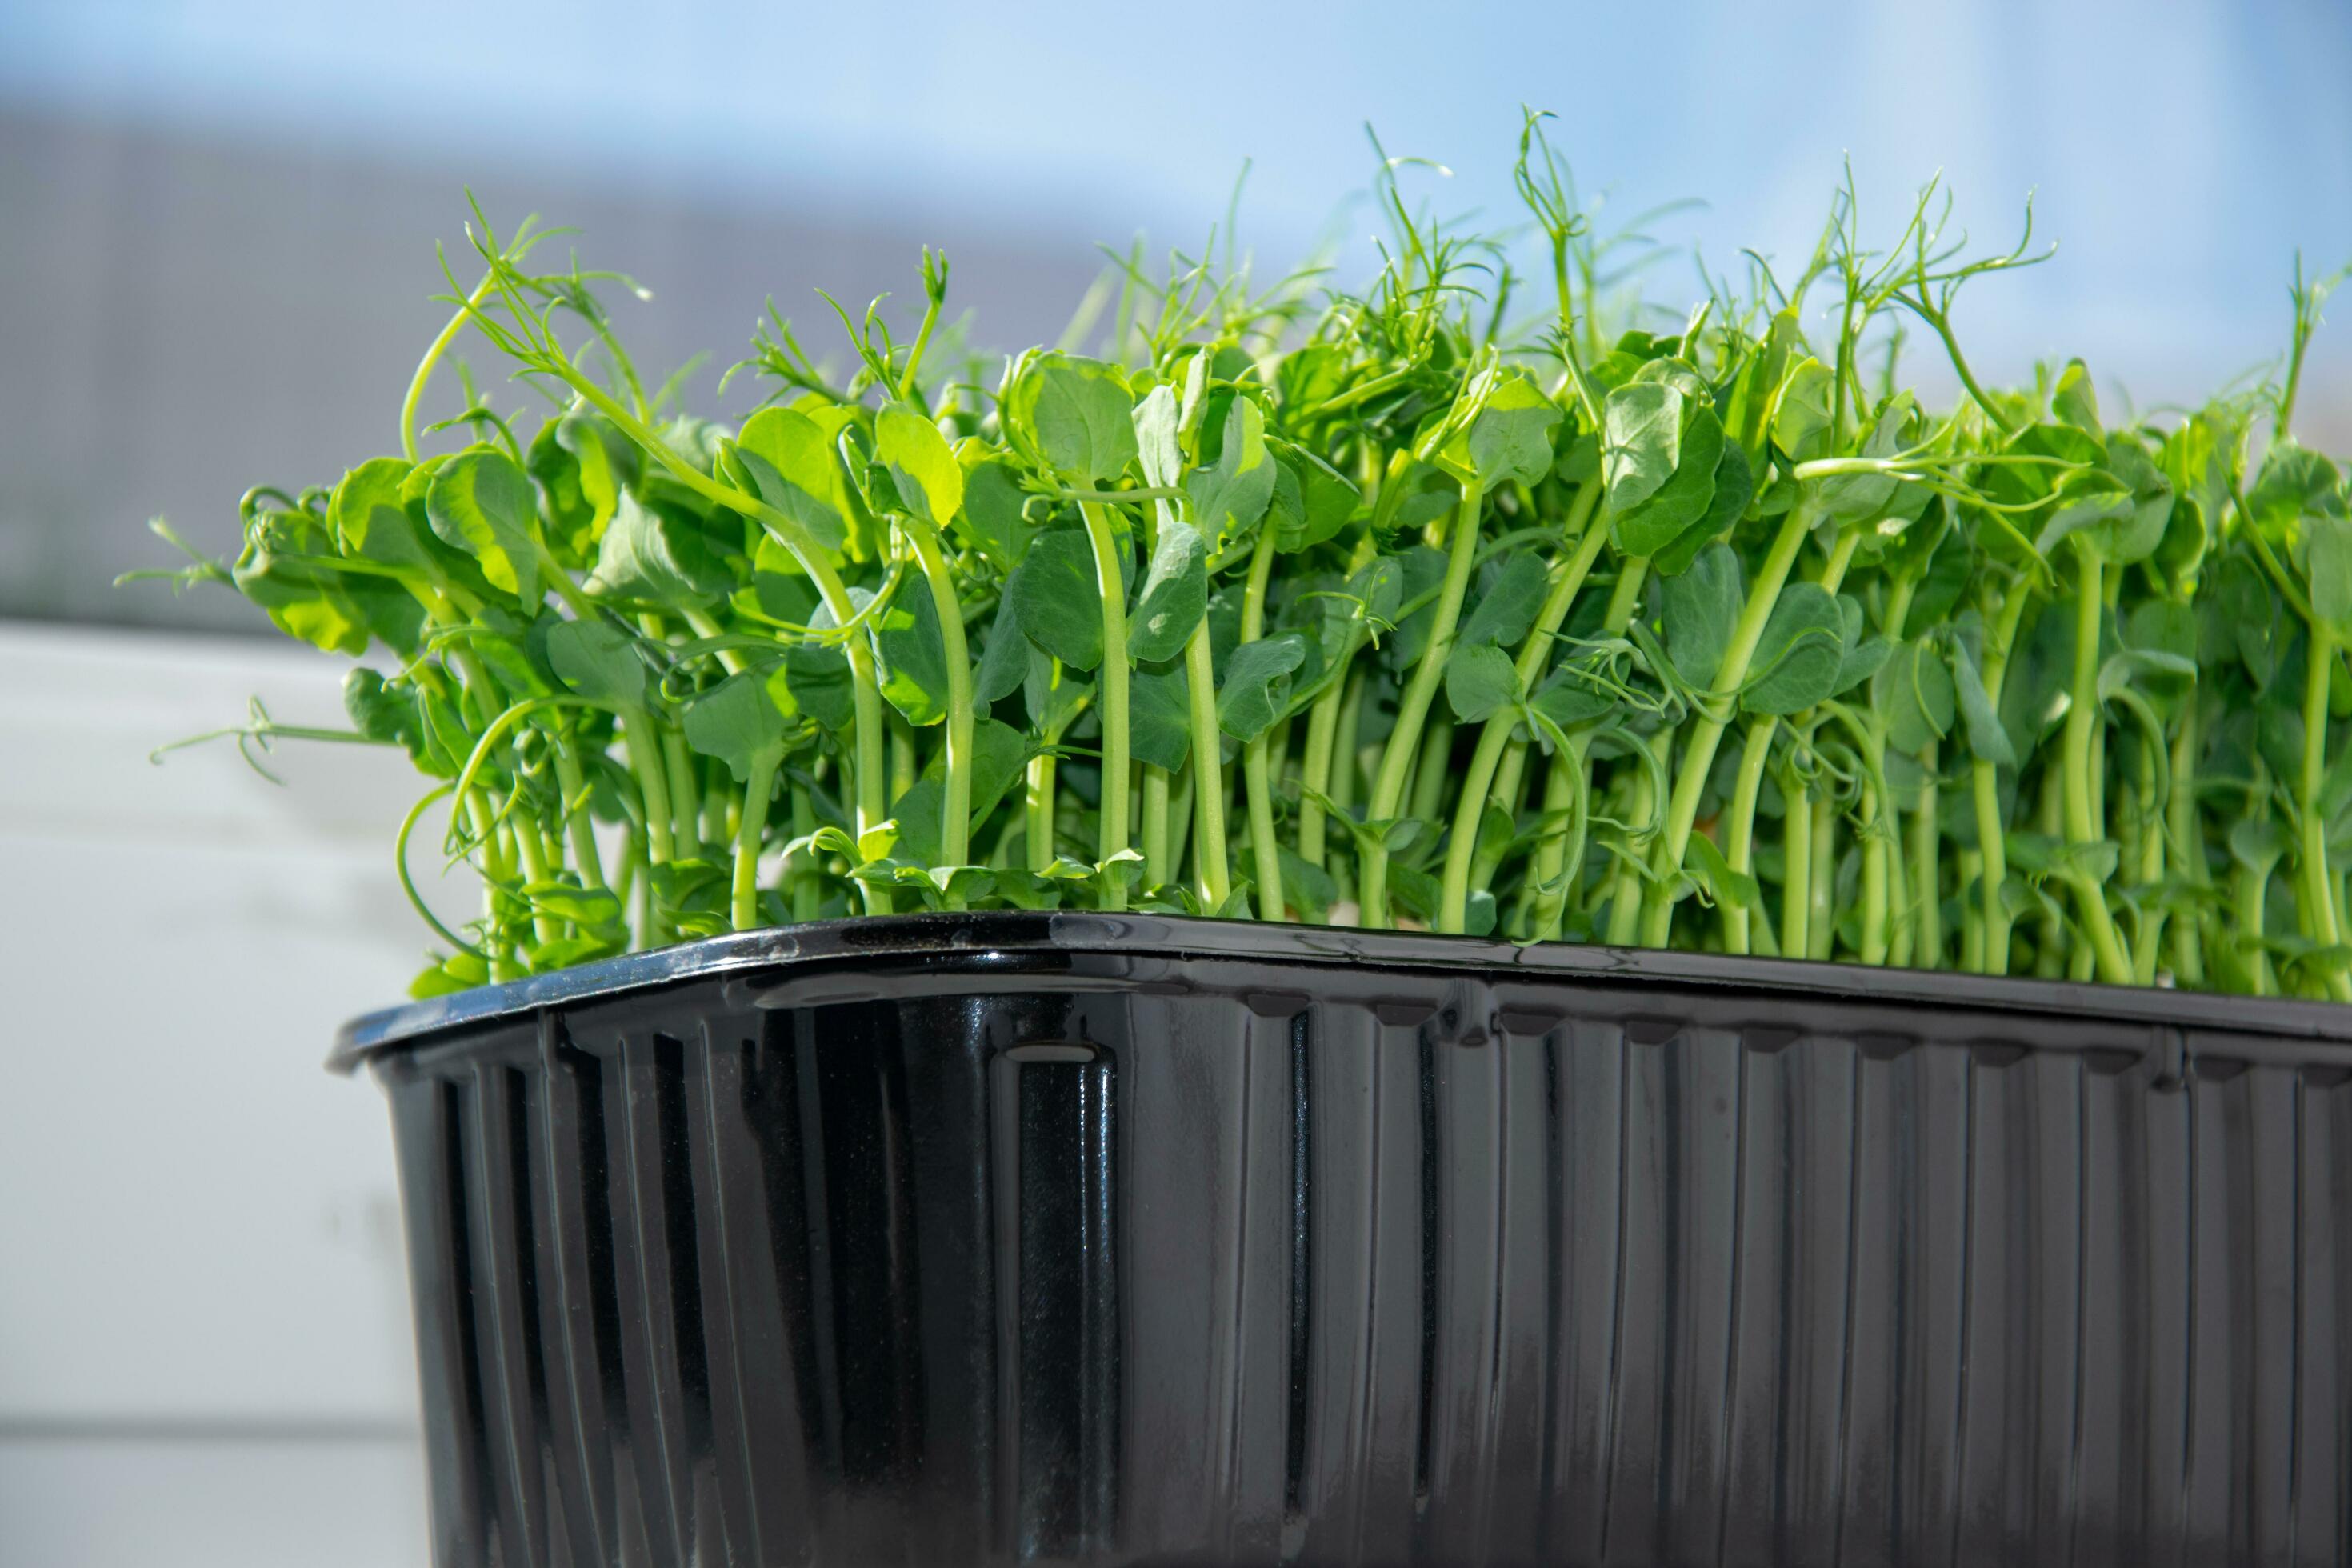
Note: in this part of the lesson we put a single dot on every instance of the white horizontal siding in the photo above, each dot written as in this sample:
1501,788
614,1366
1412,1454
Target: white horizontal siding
205,1347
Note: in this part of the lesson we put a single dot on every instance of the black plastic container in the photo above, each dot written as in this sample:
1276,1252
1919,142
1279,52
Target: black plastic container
958,1239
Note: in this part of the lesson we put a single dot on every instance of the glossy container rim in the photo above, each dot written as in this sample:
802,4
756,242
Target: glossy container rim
981,937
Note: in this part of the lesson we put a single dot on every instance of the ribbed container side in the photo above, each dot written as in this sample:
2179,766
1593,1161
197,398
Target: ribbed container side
1106,1240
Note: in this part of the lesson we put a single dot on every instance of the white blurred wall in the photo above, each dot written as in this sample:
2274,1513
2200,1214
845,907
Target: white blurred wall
205,1351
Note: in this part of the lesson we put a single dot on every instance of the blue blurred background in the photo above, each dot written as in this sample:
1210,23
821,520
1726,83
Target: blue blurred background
217,224
220,216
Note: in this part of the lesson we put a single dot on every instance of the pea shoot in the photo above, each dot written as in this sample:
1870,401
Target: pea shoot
1469,601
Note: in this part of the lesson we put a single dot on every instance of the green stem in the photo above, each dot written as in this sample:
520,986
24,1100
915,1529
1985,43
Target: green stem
685,792
2188,848
1706,731
1797,868
1927,869
1873,878
1739,831
433,352
1213,871
1397,757
1158,860
1495,737
2082,822
749,827
653,781
807,895
955,824
1984,784
1256,782
1040,833
579,826
2317,888
1821,882
1112,688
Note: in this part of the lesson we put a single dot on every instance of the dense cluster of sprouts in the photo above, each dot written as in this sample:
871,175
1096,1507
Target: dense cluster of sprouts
1380,609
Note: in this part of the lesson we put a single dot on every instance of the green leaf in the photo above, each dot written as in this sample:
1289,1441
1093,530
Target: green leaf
1914,695
1256,684
742,719
2076,401
1157,450
819,678
1683,502
566,900
1312,500
1700,608
1801,410
1004,663
992,520
1735,486
1159,718
1986,739
1175,595
1055,594
1231,495
1480,679
1718,885
910,658
1641,442
795,467
597,661
652,557
998,756
369,520
928,479
481,502
1075,414
1510,438
1510,595
2327,564
1307,887
1799,658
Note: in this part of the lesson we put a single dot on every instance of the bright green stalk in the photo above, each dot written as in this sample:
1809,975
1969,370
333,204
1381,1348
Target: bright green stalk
1323,732
578,825
1984,786
653,782
1739,833
1625,904
1431,776
1040,808
2082,825
1706,730
1926,871
799,874
1398,756
1873,878
2188,846
1256,785
1972,925
1208,773
1821,880
749,826
433,352
1495,736
2316,885
1180,824
1111,689
1563,780
685,792
1158,860
955,822
1797,868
